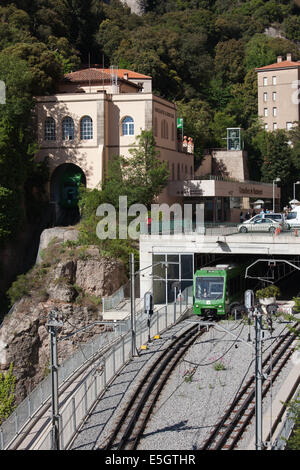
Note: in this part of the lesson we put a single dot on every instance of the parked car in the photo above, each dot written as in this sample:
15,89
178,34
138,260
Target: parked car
260,224
293,218
276,216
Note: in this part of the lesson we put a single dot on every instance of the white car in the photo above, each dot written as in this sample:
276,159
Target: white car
260,224
293,218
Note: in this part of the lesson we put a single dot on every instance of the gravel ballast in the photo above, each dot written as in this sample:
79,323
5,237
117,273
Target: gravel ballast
198,392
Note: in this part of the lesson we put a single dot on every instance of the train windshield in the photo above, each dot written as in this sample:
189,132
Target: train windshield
209,288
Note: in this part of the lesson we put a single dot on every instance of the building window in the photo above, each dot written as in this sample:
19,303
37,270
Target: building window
178,171
274,94
265,112
265,81
67,128
155,126
274,126
50,132
274,81
265,96
128,126
266,127
289,125
173,172
173,131
164,129
274,111
86,128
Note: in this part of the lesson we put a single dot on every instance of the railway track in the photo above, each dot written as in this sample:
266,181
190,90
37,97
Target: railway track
228,431
130,425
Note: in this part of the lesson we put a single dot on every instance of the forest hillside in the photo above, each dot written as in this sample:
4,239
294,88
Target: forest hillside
201,54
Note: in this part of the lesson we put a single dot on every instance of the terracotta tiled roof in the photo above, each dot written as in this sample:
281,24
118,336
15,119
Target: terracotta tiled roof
280,65
130,73
87,75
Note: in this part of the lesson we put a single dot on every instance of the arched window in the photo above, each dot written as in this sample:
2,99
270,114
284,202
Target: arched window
164,129
50,131
68,128
86,128
128,126
155,127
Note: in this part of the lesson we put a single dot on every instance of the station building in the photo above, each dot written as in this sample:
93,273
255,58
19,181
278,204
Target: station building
97,114
222,184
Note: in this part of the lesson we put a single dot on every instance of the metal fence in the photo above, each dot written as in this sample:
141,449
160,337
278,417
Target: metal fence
73,413
16,422
186,226
111,302
116,348
286,428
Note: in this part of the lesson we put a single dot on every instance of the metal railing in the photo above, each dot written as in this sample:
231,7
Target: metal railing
85,396
286,428
16,422
74,412
182,226
111,302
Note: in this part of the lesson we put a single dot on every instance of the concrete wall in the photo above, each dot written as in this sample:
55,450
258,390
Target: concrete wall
230,163
249,244
206,166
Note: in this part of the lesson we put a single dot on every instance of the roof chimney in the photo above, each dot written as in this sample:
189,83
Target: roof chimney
126,76
289,57
279,58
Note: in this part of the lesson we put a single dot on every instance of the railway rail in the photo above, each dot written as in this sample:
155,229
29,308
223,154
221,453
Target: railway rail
130,425
228,431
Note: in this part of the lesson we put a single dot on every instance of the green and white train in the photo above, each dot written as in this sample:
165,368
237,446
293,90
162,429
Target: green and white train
218,290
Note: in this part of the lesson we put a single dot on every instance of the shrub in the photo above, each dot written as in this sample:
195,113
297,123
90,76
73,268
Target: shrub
270,291
7,394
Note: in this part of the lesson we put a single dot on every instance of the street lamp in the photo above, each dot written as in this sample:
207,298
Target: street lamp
294,192
275,181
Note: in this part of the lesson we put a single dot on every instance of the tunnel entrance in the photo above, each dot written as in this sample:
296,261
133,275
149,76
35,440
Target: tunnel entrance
64,189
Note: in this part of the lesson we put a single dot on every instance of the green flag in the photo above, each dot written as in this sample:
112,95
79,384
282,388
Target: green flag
179,123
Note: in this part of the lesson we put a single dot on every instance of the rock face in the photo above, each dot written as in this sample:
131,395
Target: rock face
60,234
74,285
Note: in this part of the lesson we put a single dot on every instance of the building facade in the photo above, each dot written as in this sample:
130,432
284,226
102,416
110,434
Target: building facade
98,114
278,93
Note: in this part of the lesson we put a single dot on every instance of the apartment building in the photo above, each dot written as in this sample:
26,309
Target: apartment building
278,93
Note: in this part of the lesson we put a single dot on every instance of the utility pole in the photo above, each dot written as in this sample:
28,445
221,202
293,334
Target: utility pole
256,313
258,380
132,304
53,325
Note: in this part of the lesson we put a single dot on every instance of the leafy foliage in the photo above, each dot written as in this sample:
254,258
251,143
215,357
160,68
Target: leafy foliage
7,394
200,53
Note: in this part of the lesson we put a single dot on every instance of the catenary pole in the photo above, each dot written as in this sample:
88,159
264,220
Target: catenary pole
132,305
258,380
53,325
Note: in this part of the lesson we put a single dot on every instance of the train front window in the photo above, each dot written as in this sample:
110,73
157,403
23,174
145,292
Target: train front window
209,288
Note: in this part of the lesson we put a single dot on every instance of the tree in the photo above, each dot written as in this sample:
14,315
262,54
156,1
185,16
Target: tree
7,394
229,61
294,137
197,116
277,162
141,177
